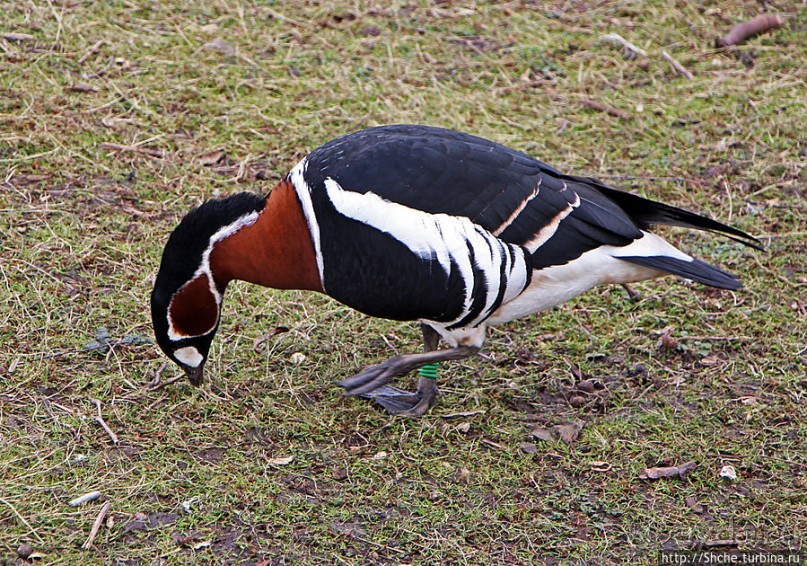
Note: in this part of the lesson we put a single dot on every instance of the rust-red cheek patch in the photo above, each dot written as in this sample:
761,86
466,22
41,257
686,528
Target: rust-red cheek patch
193,309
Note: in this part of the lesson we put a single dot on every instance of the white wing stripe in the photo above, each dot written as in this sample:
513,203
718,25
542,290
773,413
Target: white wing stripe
297,177
519,209
441,237
549,229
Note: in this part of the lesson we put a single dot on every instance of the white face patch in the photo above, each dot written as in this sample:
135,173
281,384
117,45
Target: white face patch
189,356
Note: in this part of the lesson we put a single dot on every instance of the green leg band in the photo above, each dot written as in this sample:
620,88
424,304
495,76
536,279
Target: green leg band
429,370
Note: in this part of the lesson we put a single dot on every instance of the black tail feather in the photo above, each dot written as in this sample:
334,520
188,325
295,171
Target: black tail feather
696,270
646,212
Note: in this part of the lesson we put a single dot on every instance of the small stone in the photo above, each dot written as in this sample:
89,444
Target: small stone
577,401
586,385
24,551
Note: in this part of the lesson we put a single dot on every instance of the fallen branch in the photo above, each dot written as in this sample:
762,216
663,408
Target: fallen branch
97,525
679,68
746,30
616,112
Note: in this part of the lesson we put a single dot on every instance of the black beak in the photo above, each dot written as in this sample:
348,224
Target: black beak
195,375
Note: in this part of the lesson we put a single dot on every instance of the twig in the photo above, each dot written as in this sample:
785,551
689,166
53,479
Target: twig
144,150
286,19
95,48
712,338
160,384
21,518
97,525
749,29
522,86
100,420
616,112
679,68
13,36
616,38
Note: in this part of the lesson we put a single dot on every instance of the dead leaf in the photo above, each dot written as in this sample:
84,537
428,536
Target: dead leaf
668,471
577,401
353,530
568,433
528,447
280,461
463,475
587,386
211,157
667,341
709,360
544,434
221,46
463,427
82,87
692,503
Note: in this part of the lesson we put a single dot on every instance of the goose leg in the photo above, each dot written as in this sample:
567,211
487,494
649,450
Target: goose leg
372,382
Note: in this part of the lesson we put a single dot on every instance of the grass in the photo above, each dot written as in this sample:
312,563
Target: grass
269,464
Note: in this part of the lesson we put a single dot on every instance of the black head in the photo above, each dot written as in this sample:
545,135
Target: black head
186,299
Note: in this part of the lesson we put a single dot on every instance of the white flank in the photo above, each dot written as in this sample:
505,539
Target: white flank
519,209
552,226
554,285
189,356
297,177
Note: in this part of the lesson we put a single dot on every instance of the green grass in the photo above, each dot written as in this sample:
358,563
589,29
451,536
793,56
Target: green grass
202,475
